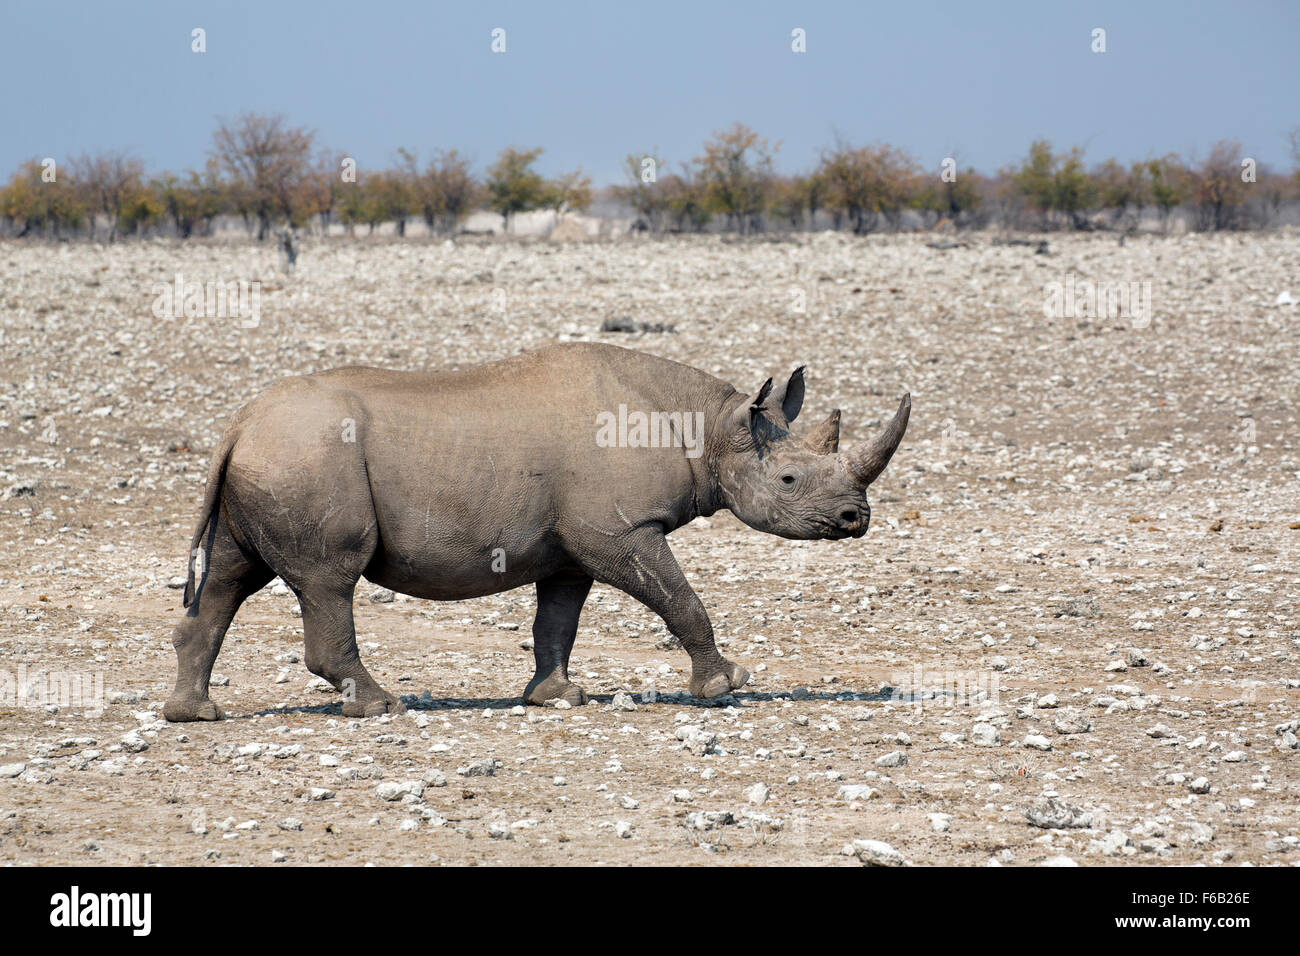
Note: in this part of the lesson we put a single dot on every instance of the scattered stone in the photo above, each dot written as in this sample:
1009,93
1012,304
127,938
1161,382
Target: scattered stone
878,853
1050,813
856,791
1071,721
984,734
435,778
757,794
623,702
696,739
708,819
895,758
1080,607
395,791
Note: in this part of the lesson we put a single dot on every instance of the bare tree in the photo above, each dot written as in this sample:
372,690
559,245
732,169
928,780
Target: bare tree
868,184
444,192
643,191
736,170
569,192
513,185
456,188
1218,188
267,161
109,182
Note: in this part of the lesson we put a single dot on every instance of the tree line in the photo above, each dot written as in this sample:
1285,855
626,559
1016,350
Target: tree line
268,173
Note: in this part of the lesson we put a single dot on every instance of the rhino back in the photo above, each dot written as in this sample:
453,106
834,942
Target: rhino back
503,459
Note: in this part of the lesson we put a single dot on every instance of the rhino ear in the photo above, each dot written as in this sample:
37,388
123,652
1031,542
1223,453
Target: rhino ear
790,395
743,417
824,439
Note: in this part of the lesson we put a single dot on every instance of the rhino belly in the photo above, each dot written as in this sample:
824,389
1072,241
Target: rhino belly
459,518
456,554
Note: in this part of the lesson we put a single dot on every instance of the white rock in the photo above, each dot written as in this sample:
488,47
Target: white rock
856,791
895,758
984,734
1051,813
696,739
395,791
623,702
878,853
1070,721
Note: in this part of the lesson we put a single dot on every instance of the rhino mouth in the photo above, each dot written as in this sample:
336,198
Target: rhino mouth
836,531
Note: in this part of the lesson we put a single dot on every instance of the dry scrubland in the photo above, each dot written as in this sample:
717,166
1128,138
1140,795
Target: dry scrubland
1094,523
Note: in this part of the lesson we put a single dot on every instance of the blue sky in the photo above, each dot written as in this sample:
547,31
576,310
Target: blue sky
591,82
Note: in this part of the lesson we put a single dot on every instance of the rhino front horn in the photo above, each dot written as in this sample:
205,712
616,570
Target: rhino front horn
866,463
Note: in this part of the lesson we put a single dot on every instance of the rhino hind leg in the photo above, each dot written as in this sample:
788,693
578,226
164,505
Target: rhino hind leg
330,642
559,605
232,576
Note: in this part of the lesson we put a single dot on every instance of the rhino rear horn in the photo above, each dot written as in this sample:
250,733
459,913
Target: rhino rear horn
824,439
866,464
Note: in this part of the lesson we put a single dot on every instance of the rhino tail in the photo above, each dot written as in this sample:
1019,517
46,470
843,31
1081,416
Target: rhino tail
208,516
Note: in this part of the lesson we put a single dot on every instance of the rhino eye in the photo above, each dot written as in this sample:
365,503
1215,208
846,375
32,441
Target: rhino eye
787,479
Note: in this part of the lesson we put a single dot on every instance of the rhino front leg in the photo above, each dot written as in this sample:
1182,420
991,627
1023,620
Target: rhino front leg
643,566
559,604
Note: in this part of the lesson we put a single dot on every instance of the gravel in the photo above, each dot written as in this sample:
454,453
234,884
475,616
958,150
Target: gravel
1048,515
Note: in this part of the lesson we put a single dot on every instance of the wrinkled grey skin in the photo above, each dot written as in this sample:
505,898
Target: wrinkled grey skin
460,484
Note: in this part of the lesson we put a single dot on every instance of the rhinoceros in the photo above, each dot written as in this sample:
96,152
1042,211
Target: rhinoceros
559,467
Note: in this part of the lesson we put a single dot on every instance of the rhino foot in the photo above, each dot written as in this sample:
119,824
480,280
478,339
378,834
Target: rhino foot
727,678
375,707
554,687
183,709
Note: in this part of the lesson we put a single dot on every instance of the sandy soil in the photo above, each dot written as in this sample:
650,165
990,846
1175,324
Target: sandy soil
1077,600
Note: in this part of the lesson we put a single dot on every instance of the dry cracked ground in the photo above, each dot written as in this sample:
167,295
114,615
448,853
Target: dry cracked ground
1070,636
